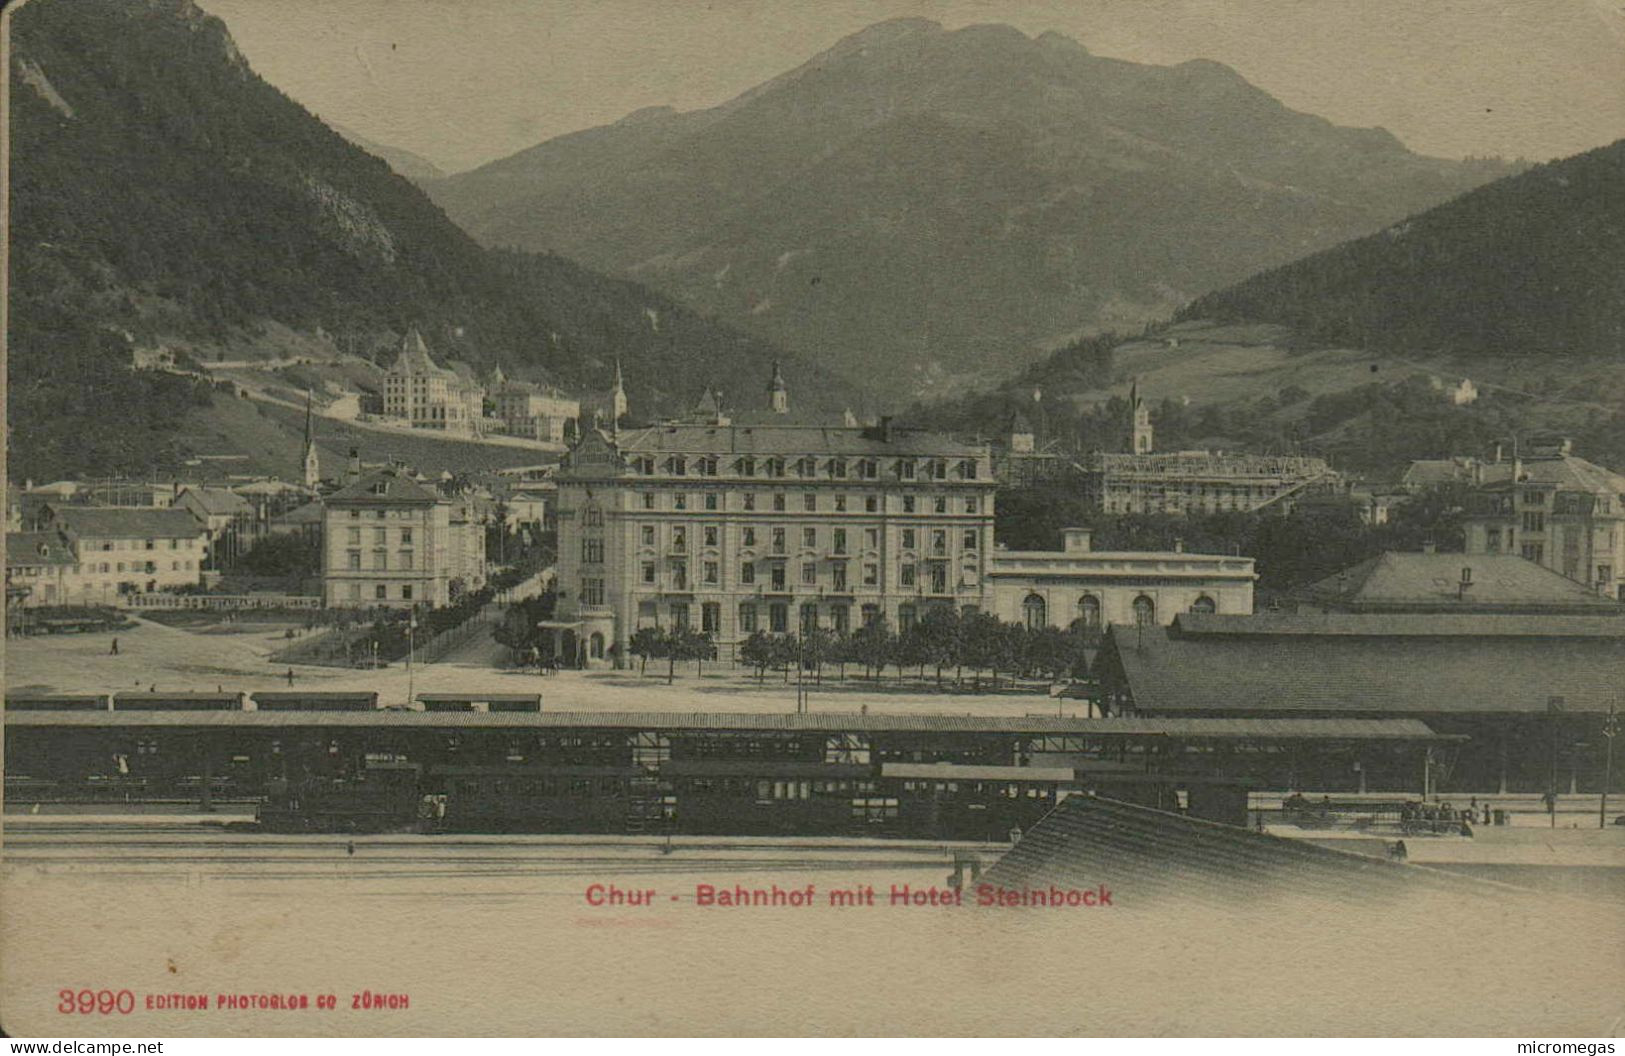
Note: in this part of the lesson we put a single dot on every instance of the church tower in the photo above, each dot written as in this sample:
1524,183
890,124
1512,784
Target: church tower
1141,425
313,464
778,393
618,405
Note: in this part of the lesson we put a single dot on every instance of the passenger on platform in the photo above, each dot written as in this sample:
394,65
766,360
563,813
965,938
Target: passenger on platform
290,676
1397,851
1486,812
113,651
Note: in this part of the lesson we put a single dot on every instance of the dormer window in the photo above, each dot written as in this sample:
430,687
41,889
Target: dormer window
807,467
747,467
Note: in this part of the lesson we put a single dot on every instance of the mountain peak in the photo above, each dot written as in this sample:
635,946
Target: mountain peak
889,30
1062,43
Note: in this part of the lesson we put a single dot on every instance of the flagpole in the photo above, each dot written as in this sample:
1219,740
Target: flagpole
411,650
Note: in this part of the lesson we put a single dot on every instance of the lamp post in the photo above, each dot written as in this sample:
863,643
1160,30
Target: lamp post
411,650
1609,728
1554,707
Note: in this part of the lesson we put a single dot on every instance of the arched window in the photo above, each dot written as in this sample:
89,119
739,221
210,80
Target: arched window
1033,612
1145,611
596,646
1204,604
1089,612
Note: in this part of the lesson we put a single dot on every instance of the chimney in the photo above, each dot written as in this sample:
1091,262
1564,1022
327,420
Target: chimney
1076,540
354,471
885,428
1430,547
1179,545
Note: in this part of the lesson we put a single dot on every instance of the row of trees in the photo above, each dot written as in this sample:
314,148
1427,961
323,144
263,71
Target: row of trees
944,640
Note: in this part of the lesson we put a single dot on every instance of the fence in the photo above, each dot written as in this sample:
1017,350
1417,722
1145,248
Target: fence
220,601
436,648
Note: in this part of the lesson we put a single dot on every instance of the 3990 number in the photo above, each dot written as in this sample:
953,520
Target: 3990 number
102,1002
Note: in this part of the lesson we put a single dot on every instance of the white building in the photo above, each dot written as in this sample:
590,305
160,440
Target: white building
429,396
1056,588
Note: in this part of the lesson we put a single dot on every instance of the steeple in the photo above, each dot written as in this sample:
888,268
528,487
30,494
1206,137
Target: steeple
1140,421
618,405
313,465
778,393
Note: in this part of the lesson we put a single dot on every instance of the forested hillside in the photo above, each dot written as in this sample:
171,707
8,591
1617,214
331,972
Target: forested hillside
162,193
1528,266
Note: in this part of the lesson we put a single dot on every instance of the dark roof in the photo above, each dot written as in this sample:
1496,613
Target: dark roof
789,440
1395,625
822,722
309,513
1143,855
384,486
1367,664
217,501
37,548
1423,582
119,522
1572,474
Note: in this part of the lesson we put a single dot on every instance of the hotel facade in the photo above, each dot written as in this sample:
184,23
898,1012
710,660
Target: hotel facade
731,529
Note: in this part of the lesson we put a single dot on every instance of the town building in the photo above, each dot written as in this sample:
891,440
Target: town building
466,569
1197,482
536,412
391,541
1399,582
1189,482
128,550
1089,588
429,396
230,521
38,568
1557,510
730,529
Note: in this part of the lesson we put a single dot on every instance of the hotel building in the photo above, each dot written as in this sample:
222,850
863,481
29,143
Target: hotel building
733,528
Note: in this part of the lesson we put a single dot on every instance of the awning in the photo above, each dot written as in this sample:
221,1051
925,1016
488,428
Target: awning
559,625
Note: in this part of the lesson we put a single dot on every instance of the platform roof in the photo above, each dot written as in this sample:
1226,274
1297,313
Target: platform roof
1367,665
829,722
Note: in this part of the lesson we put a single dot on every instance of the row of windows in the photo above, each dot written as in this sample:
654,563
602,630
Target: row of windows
405,561
807,467
1035,610
380,592
777,538
774,617
776,576
400,514
93,567
779,502
141,544
380,537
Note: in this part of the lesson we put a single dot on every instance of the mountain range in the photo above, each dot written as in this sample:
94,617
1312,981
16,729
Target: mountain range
163,194
1353,352
954,202
1527,267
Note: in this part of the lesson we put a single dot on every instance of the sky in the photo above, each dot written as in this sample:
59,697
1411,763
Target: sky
463,82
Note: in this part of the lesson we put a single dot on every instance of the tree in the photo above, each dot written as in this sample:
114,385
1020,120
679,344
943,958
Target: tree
981,640
939,638
646,642
872,645
1052,651
758,651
